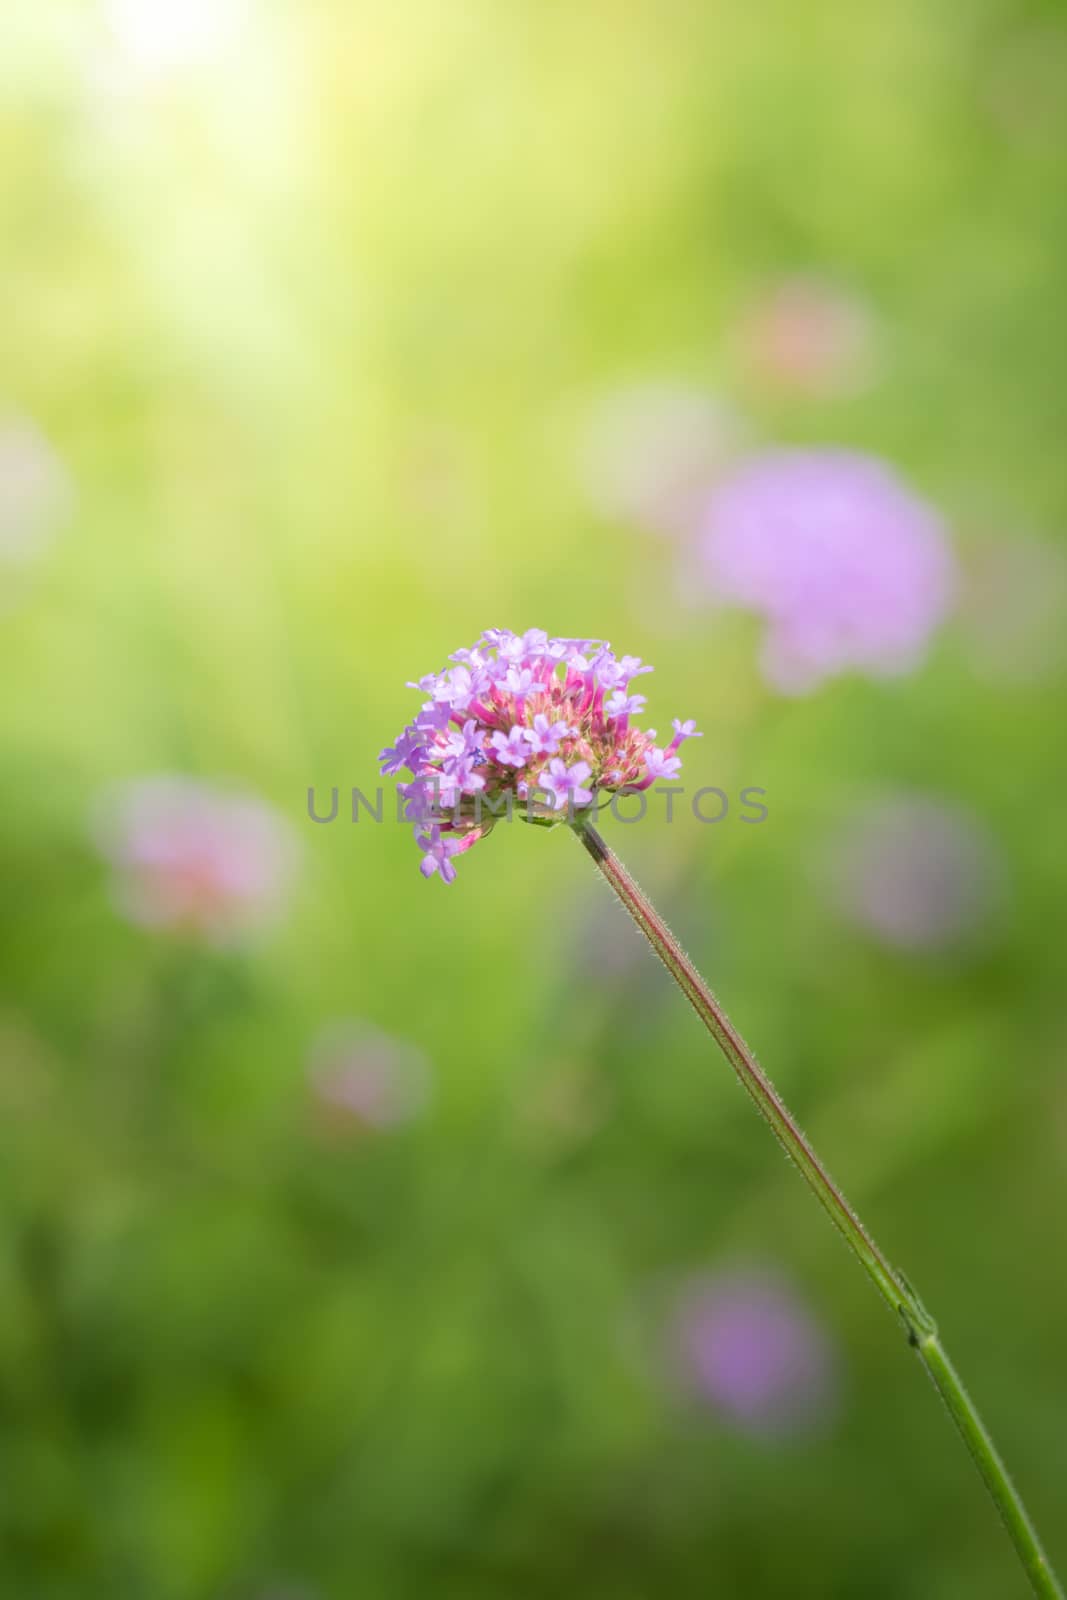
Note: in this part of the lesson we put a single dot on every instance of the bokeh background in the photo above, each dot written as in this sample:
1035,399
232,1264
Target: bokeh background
362,1236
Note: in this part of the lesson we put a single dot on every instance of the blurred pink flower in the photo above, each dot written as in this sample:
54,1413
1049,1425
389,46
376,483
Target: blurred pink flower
807,335
195,858
651,451
1013,609
745,1344
916,873
849,569
363,1079
35,493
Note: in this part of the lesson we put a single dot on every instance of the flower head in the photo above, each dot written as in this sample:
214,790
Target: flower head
195,859
523,717
849,569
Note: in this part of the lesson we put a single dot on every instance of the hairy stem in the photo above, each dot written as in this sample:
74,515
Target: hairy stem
891,1284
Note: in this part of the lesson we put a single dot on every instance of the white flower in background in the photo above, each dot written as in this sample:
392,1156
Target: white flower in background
36,495
650,451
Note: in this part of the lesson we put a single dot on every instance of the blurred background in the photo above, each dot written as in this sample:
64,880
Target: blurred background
362,1236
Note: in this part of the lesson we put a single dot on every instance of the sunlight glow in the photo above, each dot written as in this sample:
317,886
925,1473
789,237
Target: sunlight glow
158,36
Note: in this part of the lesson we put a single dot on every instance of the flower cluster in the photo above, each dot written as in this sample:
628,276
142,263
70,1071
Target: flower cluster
850,570
523,716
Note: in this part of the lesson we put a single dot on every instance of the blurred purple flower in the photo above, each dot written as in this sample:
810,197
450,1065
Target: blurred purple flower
35,493
651,451
806,335
194,858
916,873
363,1079
1013,609
849,569
747,1346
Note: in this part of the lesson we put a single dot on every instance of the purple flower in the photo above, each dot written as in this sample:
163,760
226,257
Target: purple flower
848,568
434,717
519,680
511,749
522,715
437,854
683,731
661,764
630,667
544,737
621,704
408,748
916,873
195,859
364,1079
744,1344
565,783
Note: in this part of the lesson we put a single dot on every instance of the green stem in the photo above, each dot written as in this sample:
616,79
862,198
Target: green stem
891,1284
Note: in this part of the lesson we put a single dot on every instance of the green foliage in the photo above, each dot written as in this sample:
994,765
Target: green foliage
314,326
